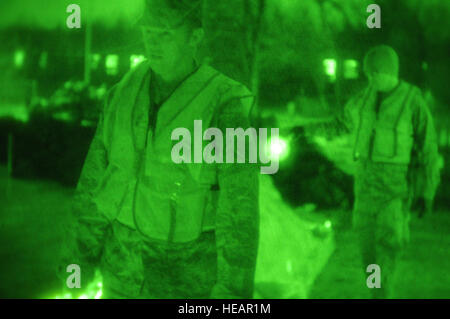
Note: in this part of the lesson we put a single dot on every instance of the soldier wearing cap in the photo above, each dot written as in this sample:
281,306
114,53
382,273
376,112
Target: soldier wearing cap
157,229
393,138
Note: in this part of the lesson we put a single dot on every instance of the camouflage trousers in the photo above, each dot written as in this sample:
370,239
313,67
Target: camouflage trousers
381,220
133,267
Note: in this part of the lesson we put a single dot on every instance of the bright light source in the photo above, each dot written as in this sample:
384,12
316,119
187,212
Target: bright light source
93,291
112,63
330,66
327,224
99,294
135,60
19,58
278,148
351,69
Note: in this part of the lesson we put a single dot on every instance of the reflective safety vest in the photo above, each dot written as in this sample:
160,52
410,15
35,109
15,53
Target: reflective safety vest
142,187
388,136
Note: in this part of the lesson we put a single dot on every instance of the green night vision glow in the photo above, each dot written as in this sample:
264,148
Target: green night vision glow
278,148
94,291
330,66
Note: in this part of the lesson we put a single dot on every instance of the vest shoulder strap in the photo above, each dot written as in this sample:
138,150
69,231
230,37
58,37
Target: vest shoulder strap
120,95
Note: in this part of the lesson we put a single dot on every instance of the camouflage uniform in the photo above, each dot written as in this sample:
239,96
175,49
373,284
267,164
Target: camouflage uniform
381,216
383,191
218,264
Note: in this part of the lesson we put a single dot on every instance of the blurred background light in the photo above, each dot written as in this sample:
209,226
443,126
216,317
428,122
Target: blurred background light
112,64
330,66
95,60
94,291
351,69
135,60
19,58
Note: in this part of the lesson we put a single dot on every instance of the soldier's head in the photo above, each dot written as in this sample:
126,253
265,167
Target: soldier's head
381,66
172,31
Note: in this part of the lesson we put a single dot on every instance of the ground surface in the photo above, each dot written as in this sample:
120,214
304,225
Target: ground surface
33,215
423,269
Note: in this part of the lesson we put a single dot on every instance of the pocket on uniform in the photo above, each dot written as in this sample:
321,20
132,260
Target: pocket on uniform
385,142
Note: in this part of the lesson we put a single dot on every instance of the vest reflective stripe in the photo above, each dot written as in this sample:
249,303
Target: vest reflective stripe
391,134
167,201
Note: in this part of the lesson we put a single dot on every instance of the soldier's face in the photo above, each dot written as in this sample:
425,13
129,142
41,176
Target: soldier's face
167,46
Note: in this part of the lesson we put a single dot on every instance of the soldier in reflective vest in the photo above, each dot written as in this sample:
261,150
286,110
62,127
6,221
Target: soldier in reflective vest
393,135
157,229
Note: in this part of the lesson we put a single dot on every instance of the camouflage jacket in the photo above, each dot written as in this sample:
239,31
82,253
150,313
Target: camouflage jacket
237,219
423,170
